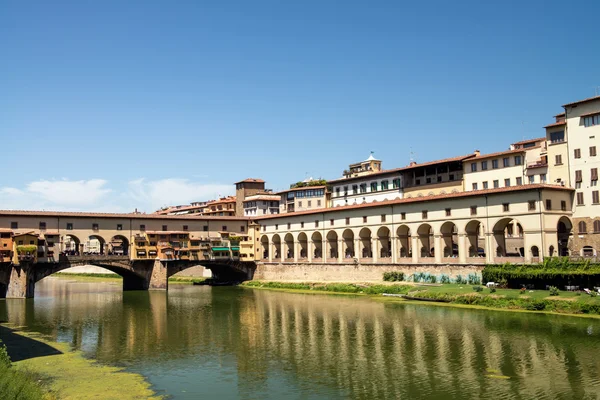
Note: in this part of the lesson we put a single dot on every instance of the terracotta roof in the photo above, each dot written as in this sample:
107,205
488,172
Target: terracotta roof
408,167
420,199
112,215
31,233
262,197
556,124
582,101
303,188
562,114
530,140
590,114
501,153
251,180
6,230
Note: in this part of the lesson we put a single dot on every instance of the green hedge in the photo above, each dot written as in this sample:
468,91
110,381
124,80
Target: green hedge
553,268
16,384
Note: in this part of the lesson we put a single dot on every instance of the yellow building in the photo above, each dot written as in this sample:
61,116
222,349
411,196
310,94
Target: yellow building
224,207
6,245
25,247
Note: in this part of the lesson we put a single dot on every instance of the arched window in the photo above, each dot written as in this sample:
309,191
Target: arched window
551,251
535,252
597,226
582,227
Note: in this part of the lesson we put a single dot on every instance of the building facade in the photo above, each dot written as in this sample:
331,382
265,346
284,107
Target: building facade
261,204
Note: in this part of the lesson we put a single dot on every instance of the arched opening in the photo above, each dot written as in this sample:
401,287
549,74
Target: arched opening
564,230
582,227
317,245
475,239
404,240
264,244
277,246
119,246
348,240
551,251
449,240
385,243
366,250
71,245
289,246
303,243
94,245
425,233
535,252
332,244
597,226
508,235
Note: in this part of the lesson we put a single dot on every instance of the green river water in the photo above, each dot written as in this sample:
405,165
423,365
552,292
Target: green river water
198,342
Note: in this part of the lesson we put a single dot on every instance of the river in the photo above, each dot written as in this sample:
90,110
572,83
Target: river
230,342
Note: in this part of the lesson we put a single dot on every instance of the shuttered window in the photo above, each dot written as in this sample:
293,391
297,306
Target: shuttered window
594,172
593,151
579,198
595,198
577,153
578,177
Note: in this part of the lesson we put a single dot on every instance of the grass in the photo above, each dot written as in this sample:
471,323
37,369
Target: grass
19,384
346,288
69,375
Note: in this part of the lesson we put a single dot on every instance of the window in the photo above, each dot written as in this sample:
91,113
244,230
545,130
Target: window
185,227
577,153
316,224
373,186
591,120
578,176
345,190
473,167
557,137
224,228
531,179
548,204
119,227
384,185
94,227
396,183
363,188
290,225
424,214
494,164
496,184
337,191
448,212
309,203
20,242
579,198
594,174
164,228
505,162
382,217
205,228
582,227
347,221
558,159
364,219
402,215
14,225
596,226
485,185
592,151
331,222
595,197
299,204
42,226
473,210
354,189
318,203
542,178
69,226
505,207
276,226
563,205
484,165
507,182
519,181
518,160
474,184
142,227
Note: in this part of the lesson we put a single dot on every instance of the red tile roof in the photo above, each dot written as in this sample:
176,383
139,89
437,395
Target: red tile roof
501,153
582,101
420,199
562,114
590,114
530,140
113,215
556,124
251,180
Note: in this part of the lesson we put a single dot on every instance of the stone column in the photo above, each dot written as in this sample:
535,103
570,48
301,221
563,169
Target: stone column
437,245
462,248
341,250
490,248
309,249
270,251
415,249
375,249
158,276
21,282
394,249
296,247
358,248
324,251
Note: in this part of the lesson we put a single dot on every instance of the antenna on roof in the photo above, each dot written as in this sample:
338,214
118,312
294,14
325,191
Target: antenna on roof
412,155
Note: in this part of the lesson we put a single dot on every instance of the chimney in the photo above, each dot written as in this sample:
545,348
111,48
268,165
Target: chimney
412,163
477,153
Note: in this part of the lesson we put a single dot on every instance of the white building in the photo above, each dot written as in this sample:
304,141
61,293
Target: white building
261,204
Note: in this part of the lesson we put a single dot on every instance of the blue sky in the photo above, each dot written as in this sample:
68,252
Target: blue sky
114,105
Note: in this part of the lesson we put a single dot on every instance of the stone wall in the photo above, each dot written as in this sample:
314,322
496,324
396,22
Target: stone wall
584,239
354,272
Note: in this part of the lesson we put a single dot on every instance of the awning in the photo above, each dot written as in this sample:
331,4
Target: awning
220,249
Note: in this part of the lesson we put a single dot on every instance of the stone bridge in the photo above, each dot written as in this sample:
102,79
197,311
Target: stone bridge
18,281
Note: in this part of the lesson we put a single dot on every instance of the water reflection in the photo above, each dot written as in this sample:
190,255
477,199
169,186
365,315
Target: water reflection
235,342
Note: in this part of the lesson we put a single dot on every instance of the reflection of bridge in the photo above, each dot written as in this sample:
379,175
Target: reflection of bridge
18,281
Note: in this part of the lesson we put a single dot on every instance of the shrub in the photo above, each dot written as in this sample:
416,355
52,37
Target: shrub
459,279
4,358
492,290
444,278
536,305
553,291
393,276
473,279
478,288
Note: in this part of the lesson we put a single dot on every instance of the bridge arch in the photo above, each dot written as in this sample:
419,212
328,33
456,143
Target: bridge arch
119,245
95,244
71,244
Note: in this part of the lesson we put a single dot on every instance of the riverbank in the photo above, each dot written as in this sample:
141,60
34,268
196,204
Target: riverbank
114,277
464,296
54,371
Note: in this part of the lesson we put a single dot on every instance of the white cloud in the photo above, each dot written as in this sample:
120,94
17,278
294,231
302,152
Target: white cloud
151,195
70,193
